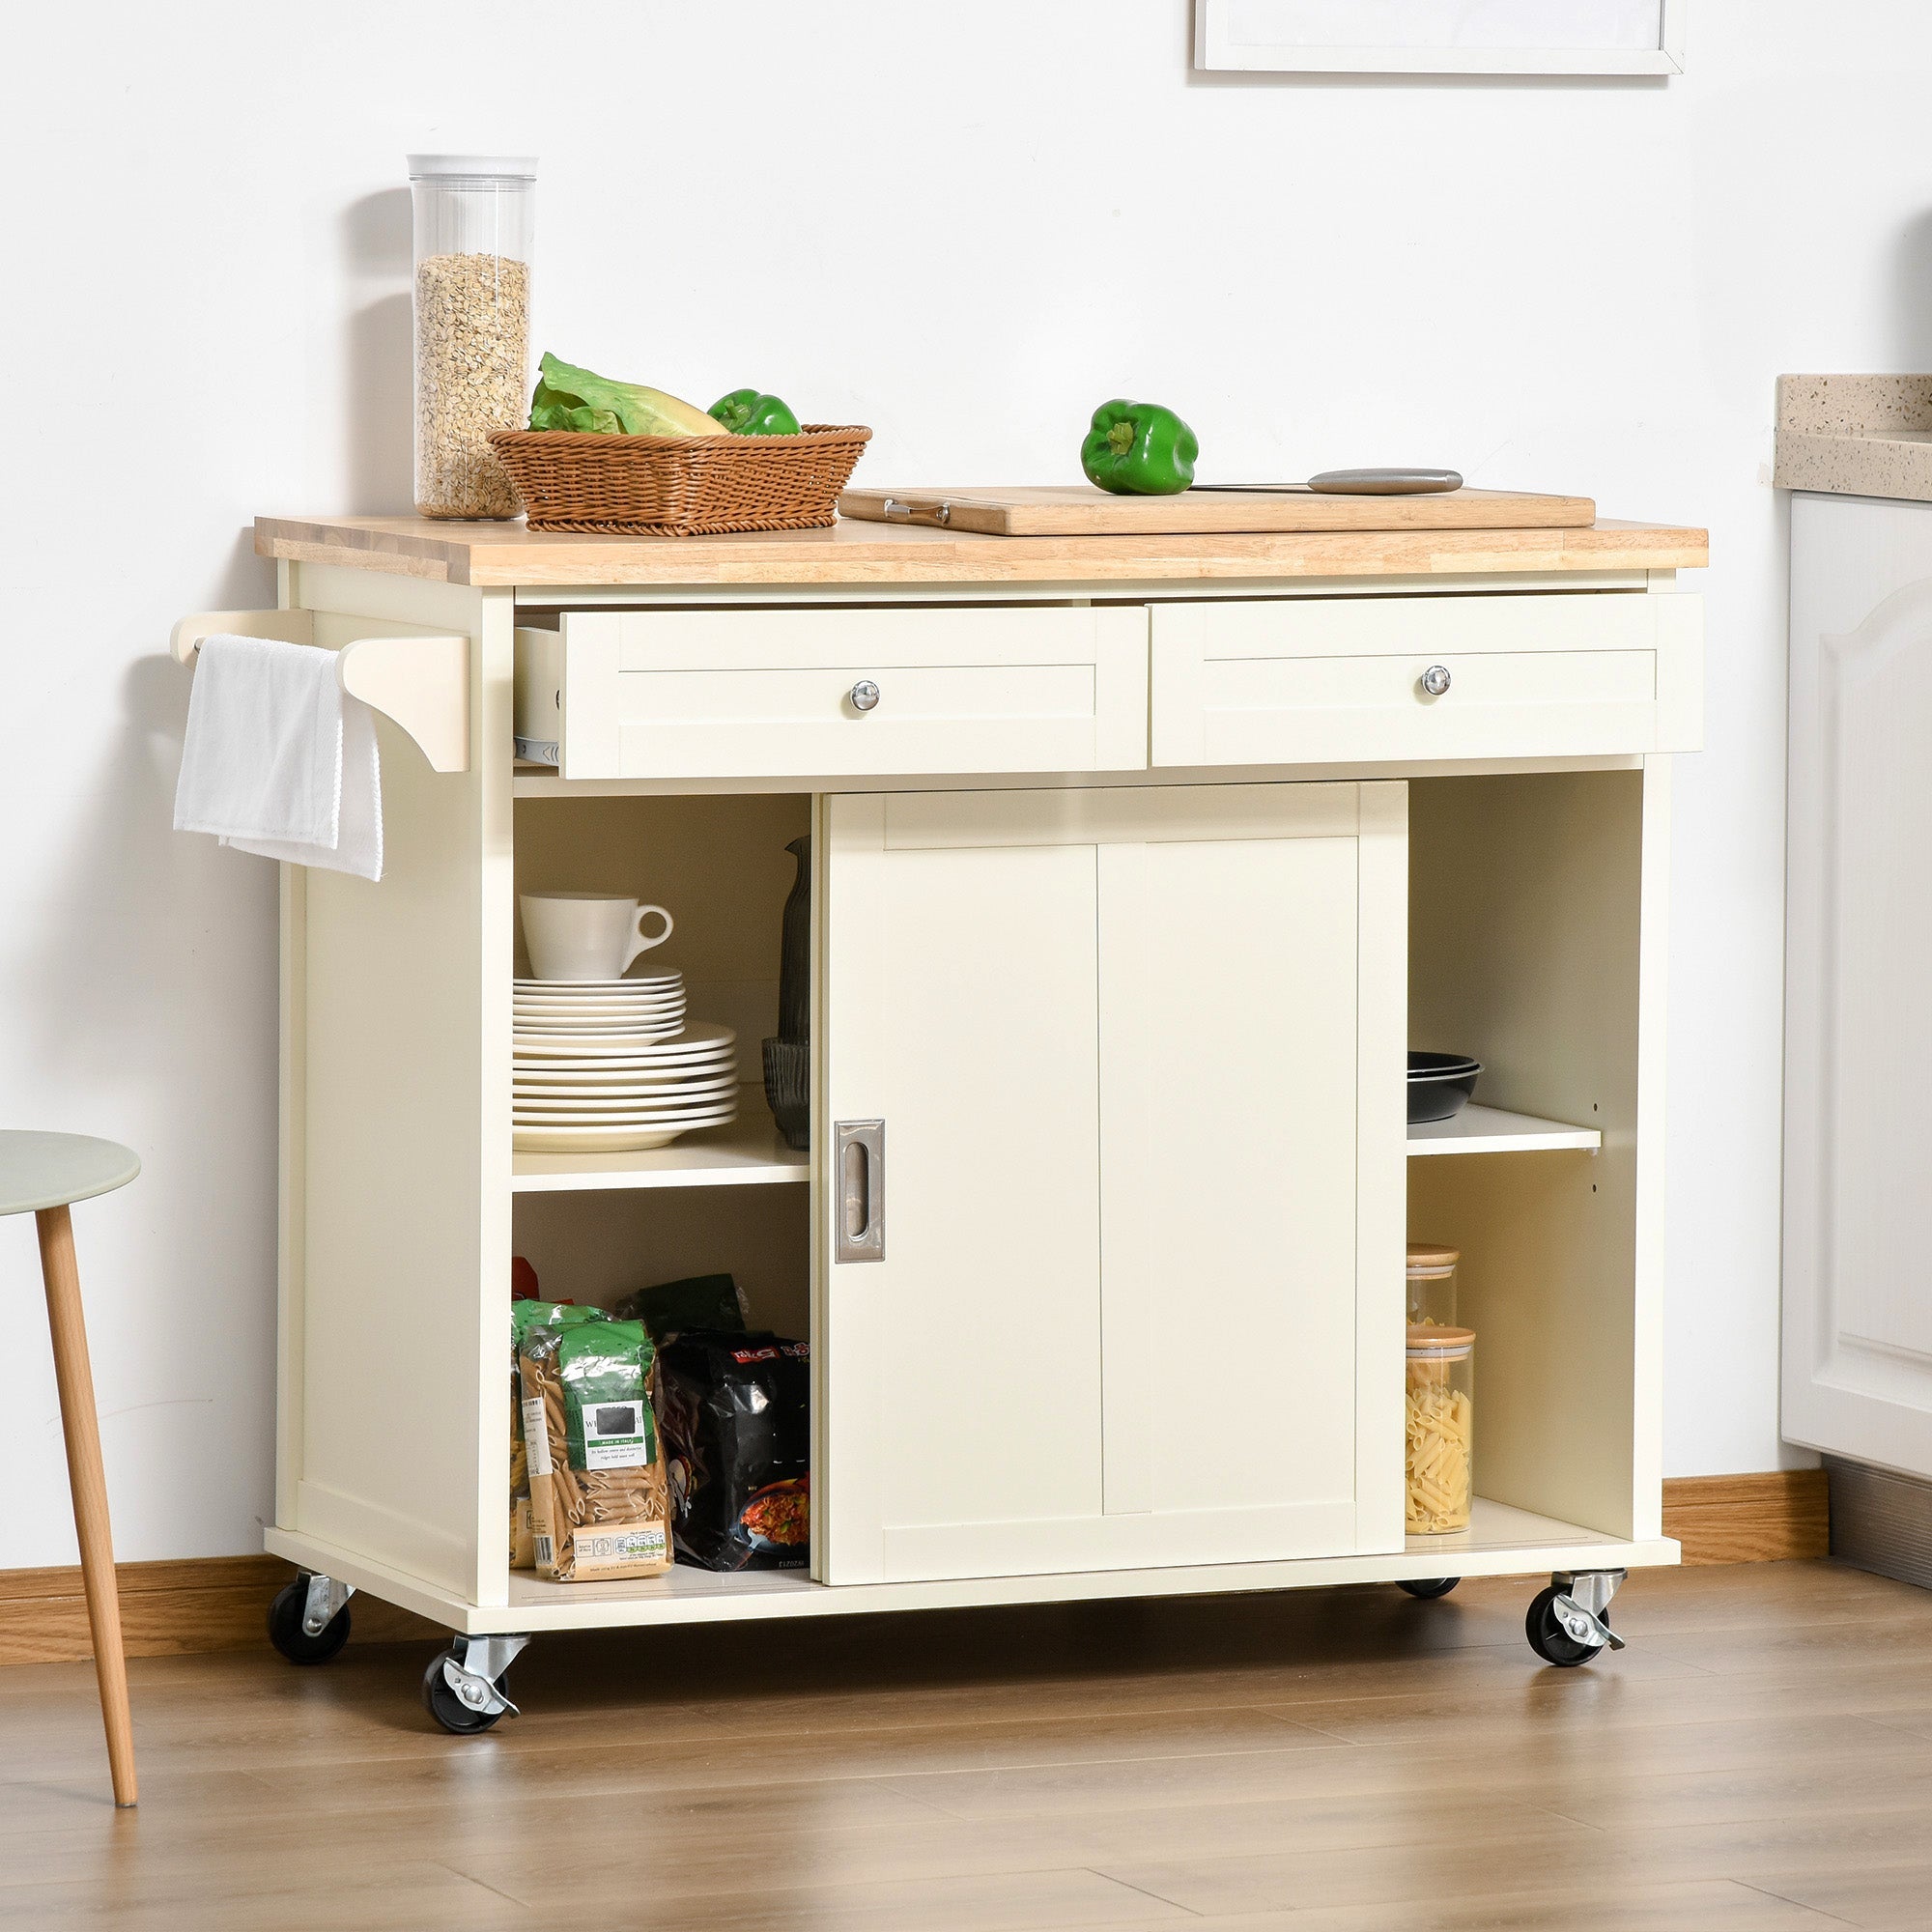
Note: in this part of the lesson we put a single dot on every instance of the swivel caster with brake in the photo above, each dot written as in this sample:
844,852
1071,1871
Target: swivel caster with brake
309,1622
1570,1622
462,1688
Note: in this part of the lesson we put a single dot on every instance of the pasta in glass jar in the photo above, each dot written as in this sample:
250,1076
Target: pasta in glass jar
1431,1285
1439,1417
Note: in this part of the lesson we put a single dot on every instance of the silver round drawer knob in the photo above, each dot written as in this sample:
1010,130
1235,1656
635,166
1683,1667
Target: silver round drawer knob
865,694
1435,680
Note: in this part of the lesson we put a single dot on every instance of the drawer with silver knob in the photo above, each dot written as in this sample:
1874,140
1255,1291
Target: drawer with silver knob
882,691
1346,680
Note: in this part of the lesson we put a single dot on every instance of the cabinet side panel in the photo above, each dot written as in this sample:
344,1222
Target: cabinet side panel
1381,1161
1525,950
1857,1138
400,1209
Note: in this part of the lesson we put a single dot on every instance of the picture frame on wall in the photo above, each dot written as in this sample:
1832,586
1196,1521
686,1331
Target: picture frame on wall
1469,37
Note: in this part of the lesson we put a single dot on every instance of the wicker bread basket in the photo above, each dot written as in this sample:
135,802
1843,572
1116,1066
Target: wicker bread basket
679,486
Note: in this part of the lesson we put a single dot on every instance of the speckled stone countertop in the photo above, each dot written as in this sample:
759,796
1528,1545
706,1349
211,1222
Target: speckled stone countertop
1856,435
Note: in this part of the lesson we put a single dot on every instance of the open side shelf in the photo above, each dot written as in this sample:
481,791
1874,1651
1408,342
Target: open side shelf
1500,1542
748,1154
1494,1130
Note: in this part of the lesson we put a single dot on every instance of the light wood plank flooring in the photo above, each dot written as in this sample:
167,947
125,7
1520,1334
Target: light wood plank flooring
1339,1761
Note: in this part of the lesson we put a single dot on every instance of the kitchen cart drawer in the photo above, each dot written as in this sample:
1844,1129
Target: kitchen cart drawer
1324,680
870,692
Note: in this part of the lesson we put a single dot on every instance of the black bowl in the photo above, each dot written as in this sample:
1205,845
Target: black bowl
1439,1085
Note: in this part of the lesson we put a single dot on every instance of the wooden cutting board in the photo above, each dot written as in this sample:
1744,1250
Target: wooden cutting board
1058,510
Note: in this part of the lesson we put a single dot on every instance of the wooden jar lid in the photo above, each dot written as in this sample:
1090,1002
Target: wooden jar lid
1427,1258
1425,1339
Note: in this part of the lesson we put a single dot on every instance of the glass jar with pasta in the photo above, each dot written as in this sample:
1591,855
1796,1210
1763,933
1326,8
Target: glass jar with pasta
1440,1412
1431,1285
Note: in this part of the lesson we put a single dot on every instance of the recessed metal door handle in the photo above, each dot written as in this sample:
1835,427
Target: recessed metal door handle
859,1151
865,694
1435,680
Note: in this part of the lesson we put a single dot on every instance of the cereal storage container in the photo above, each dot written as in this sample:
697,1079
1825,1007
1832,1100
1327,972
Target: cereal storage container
475,216
1440,1412
1431,1285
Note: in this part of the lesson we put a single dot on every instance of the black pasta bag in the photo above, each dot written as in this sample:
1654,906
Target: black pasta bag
735,1412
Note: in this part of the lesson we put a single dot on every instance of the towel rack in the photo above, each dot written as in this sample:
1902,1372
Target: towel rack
420,684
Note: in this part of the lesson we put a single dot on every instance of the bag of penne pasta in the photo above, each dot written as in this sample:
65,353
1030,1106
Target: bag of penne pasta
599,1503
525,1315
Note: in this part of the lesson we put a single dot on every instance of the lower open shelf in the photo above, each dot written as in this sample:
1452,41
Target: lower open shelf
749,1153
1500,1542
1480,1129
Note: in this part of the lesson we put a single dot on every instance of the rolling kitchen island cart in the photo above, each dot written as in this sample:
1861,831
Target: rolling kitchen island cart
1138,864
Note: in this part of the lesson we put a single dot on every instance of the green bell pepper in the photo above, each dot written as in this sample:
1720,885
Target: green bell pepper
1139,449
747,412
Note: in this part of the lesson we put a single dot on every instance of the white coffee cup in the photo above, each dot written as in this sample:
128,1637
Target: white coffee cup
586,935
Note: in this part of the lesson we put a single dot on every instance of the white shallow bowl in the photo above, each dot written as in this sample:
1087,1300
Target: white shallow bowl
579,1076
715,1117
700,1040
599,989
583,996
657,1025
590,1045
541,1092
601,1076
623,1103
600,1011
594,1140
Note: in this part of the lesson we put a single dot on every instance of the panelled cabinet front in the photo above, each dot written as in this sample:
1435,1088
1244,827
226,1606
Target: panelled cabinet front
1119,1285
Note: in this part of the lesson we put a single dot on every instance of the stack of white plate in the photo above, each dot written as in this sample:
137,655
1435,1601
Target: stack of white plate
585,1087
648,1007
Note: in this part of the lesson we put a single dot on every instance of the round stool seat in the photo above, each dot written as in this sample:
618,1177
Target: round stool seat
40,1171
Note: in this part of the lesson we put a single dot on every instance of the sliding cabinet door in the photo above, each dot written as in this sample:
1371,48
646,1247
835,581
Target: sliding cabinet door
1112,1105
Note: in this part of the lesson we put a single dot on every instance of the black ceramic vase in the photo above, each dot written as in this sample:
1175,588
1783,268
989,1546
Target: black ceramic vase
788,1057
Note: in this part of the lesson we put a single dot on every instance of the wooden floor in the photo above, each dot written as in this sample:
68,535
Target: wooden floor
1760,1756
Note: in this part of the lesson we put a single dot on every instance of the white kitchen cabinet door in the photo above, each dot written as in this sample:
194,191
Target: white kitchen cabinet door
1137,1295
1857,1128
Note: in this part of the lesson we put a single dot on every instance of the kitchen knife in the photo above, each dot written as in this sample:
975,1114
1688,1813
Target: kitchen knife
1354,483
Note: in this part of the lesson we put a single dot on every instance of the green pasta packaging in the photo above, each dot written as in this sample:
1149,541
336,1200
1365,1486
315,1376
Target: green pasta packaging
525,1315
599,1503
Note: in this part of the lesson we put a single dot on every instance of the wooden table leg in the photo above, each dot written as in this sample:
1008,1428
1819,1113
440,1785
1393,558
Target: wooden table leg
88,1481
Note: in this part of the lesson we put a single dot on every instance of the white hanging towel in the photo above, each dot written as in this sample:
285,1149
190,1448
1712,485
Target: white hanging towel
279,759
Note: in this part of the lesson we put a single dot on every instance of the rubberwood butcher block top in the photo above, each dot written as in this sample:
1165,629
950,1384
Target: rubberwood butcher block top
508,554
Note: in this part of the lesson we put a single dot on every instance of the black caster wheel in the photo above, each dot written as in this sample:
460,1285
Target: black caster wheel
447,1708
1550,1640
286,1632
1428,1586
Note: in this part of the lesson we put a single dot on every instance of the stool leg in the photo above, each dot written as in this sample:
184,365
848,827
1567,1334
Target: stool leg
88,1483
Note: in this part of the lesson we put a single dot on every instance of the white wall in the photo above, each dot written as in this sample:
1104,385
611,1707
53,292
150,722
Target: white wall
965,226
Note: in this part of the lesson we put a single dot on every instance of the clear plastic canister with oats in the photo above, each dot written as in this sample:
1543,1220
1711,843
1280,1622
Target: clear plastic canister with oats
1440,1414
1432,1284
475,222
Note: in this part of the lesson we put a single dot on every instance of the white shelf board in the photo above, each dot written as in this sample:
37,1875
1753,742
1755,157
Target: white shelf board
1494,1130
1500,1542
748,1154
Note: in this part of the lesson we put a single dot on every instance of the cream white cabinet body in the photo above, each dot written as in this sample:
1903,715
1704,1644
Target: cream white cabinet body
1138,1055
1857,1132
1129,893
